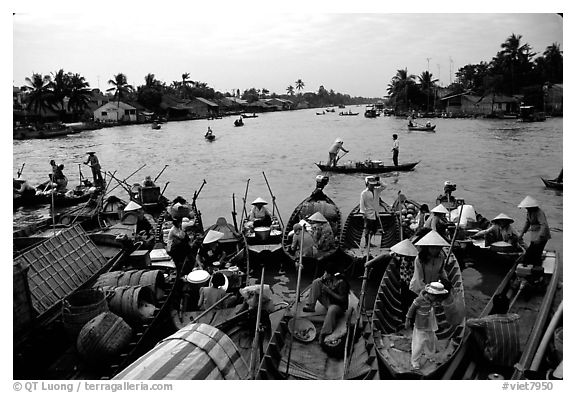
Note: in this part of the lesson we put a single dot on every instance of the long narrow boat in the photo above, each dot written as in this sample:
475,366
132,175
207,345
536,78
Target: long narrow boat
367,167
422,128
308,358
316,202
393,341
533,306
552,183
263,240
80,194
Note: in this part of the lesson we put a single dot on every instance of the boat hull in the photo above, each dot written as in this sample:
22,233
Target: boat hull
361,167
428,129
553,184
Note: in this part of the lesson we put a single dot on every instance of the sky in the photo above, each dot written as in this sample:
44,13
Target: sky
354,51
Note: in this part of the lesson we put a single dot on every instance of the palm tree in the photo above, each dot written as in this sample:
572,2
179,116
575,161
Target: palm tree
299,85
150,81
290,90
399,86
39,94
513,60
264,92
185,83
80,94
60,86
426,84
121,87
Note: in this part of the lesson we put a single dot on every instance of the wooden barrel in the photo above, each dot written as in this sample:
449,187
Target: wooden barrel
103,337
133,303
150,278
80,307
195,352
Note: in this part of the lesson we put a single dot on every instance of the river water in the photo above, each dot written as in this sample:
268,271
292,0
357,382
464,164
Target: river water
495,163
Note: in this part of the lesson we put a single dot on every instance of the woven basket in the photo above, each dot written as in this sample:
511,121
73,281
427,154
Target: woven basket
103,337
81,307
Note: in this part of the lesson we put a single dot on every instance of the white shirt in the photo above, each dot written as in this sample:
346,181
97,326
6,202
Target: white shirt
370,202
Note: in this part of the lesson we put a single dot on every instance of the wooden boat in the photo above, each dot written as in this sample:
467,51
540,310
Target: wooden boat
156,126
367,167
371,113
47,131
393,341
263,240
253,115
210,137
552,183
316,202
531,298
331,110
308,358
422,128
351,238
78,195
349,113
320,113
238,123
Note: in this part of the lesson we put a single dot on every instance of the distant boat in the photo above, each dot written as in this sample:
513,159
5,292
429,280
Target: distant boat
371,113
321,113
210,137
349,113
249,116
367,167
422,128
156,126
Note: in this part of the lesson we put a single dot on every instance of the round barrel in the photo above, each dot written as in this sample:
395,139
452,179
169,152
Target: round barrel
133,303
149,278
80,307
103,337
196,352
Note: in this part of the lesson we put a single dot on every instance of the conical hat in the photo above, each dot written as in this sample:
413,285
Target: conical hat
318,217
405,247
212,236
503,217
439,209
528,202
259,200
432,238
132,206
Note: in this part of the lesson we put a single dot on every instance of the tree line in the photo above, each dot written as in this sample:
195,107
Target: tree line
514,70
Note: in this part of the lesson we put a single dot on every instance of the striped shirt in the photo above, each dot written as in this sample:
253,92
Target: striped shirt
499,336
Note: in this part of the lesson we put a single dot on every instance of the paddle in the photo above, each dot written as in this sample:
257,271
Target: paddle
255,342
20,171
297,299
339,157
244,213
234,213
360,306
461,203
162,171
124,181
273,200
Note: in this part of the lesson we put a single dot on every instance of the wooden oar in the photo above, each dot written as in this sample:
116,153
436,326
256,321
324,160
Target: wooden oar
256,341
459,202
273,200
210,308
234,212
244,212
124,181
162,171
297,300
19,173
339,157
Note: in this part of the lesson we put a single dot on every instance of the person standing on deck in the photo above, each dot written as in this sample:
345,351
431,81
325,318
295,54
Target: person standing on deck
333,152
429,264
395,149
539,231
370,206
421,314
94,164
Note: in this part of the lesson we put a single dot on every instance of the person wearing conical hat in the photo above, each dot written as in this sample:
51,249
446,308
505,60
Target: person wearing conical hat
404,253
538,230
333,151
303,241
421,314
210,254
322,232
370,206
94,164
177,244
500,231
259,215
428,265
437,220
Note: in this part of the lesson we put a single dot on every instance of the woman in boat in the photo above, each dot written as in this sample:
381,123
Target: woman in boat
404,253
500,231
333,151
537,227
210,295
370,206
259,215
421,314
322,232
437,221
429,263
331,290
210,254
177,244
308,245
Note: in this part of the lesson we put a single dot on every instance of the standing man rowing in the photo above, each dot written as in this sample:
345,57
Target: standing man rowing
333,152
94,164
395,149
